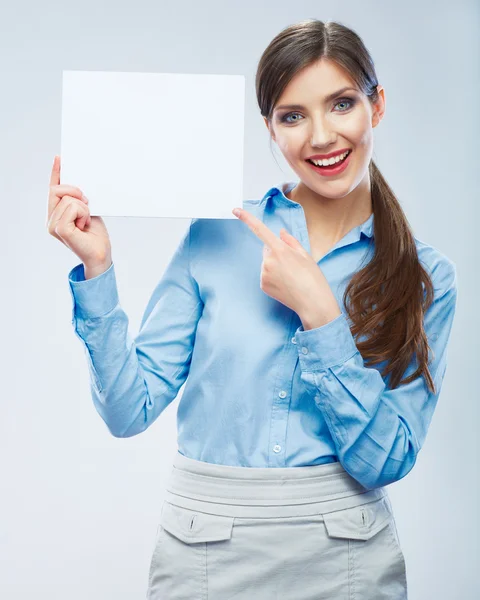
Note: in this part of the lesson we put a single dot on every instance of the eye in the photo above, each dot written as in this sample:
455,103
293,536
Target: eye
350,101
285,117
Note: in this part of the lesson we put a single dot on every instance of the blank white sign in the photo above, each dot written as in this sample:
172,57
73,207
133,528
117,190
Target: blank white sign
154,144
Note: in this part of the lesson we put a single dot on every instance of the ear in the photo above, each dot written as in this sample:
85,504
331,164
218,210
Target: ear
379,107
269,128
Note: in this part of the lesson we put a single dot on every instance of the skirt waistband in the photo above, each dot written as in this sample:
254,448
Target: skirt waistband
260,492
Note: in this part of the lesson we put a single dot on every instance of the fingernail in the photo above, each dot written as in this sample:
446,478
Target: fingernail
84,198
236,211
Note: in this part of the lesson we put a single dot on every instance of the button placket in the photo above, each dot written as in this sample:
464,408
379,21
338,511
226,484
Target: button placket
281,400
277,447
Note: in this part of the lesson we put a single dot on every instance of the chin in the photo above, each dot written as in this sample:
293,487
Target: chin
330,189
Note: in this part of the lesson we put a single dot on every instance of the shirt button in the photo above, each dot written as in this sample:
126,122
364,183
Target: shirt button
282,394
277,448
305,350
294,341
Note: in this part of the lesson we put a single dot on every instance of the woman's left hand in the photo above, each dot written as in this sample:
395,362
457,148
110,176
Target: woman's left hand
290,275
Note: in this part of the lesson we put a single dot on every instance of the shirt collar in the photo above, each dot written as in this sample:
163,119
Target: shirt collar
277,195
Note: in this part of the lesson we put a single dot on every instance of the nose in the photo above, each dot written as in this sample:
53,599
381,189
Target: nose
321,135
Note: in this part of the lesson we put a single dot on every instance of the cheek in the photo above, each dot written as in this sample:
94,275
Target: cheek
290,144
365,142
360,130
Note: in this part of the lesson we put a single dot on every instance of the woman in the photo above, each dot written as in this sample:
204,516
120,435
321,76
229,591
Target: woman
307,394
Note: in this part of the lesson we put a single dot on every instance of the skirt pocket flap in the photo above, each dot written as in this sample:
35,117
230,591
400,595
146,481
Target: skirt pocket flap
193,527
358,522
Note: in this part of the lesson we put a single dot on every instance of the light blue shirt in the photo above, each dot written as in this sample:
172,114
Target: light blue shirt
260,391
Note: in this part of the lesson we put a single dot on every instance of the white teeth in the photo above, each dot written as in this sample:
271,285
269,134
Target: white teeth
330,161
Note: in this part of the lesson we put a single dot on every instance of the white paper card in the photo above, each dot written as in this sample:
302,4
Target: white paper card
154,144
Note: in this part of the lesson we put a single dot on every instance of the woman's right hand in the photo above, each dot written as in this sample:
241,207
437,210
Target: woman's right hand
69,221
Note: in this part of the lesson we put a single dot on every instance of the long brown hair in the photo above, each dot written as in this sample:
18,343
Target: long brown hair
387,299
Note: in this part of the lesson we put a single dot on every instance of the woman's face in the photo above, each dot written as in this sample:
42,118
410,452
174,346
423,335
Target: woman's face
324,125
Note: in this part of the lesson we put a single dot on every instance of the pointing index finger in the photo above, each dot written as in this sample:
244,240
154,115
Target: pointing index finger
258,227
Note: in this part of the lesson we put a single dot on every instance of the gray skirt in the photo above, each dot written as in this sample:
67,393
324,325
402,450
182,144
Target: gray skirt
294,533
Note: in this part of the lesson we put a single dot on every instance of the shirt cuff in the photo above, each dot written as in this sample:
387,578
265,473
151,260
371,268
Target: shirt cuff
325,346
93,297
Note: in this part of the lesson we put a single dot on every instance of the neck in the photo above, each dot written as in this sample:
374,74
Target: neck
330,219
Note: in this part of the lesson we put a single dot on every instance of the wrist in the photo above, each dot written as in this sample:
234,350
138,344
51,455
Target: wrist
91,271
317,318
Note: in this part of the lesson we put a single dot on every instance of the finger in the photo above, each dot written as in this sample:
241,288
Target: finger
55,176
53,200
57,214
73,218
57,192
260,229
66,225
61,209
71,190
81,223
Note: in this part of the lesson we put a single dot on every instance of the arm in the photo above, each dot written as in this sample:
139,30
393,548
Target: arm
377,431
134,380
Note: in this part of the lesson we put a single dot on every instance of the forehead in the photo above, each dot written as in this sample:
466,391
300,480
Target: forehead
318,80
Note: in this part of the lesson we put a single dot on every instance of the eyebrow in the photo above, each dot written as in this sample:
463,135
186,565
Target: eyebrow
327,98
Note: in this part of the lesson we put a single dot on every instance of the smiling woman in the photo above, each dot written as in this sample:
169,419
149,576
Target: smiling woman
338,197
290,426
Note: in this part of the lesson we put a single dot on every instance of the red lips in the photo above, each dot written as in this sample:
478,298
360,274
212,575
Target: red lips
323,156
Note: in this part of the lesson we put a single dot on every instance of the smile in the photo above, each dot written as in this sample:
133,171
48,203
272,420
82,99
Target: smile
333,169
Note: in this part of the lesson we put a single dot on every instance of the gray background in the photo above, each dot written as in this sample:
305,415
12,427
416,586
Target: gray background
79,508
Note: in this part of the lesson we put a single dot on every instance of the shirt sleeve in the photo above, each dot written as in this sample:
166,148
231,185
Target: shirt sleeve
377,431
132,380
